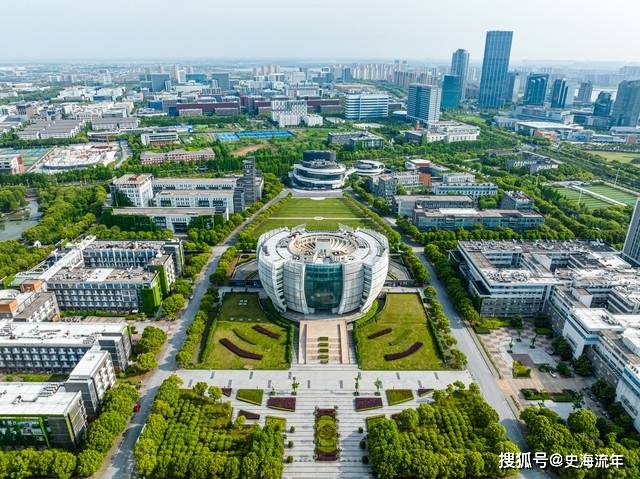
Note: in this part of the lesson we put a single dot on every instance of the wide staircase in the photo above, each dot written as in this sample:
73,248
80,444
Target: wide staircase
324,342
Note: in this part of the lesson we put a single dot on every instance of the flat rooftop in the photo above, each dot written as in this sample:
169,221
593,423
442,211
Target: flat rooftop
90,362
133,179
102,275
35,399
56,333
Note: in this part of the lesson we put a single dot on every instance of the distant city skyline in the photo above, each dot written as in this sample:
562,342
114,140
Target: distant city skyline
575,31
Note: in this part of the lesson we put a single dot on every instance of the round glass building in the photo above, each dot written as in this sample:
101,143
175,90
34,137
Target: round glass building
322,272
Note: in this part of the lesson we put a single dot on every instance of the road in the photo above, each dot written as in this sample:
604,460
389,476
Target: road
121,462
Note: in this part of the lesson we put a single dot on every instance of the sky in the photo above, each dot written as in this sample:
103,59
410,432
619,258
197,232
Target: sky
578,30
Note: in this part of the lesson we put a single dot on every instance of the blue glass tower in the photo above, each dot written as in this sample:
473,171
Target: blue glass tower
451,85
495,66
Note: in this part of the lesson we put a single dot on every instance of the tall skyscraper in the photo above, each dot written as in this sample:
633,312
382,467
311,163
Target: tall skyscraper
511,87
495,65
584,92
450,92
535,91
626,109
602,105
559,93
631,247
424,102
460,67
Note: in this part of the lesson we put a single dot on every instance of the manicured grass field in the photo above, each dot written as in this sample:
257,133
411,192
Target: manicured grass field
621,156
235,321
279,422
316,214
404,314
251,396
613,193
398,396
590,202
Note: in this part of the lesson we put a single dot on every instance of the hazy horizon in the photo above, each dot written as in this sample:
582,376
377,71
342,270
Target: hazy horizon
544,31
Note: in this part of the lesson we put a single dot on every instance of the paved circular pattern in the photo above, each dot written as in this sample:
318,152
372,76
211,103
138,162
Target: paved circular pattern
318,218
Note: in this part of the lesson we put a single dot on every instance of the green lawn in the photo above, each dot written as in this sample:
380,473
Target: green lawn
404,314
251,396
235,321
398,396
621,156
326,214
590,202
279,422
613,193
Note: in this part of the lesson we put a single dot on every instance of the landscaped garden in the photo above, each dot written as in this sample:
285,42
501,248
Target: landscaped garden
326,435
282,403
398,396
190,435
367,403
397,337
243,337
251,396
456,435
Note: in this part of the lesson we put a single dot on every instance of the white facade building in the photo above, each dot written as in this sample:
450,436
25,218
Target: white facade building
323,272
138,187
364,106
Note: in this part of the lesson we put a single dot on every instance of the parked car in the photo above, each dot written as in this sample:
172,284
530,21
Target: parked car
136,407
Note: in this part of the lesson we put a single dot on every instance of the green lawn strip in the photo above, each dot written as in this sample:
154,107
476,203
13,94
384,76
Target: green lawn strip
405,315
398,396
279,422
242,336
251,396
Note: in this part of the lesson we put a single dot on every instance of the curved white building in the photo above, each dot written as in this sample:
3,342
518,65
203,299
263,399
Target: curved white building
369,168
321,272
319,170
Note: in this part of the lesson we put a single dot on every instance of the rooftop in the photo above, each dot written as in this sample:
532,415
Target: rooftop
35,399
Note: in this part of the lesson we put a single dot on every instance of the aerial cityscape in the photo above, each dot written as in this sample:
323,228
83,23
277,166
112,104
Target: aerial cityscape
322,242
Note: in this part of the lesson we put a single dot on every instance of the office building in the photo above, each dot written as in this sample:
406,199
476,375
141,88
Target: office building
456,218
450,92
218,199
447,131
92,377
626,109
369,168
49,129
355,140
473,190
159,138
41,415
423,103
31,304
177,156
322,272
386,185
363,106
495,65
405,205
155,82
137,187
535,91
603,104
559,93
222,80
511,87
11,164
319,170
60,346
178,219
533,162
631,249
515,200
460,68
584,93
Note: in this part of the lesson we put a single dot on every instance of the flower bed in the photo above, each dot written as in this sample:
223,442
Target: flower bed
365,404
251,396
327,456
249,415
403,354
398,396
326,412
243,337
377,334
265,331
326,435
424,391
282,403
226,391
239,351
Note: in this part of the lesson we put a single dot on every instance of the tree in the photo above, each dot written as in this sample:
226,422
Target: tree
146,362
564,369
200,388
89,461
145,452
151,340
583,366
240,421
408,419
378,384
172,304
294,385
215,393
562,347
583,421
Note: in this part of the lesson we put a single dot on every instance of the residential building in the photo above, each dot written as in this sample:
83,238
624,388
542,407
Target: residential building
11,164
364,106
495,65
460,68
515,200
322,272
559,93
355,139
42,415
177,156
137,187
535,91
626,109
423,103
451,85
455,218
319,170
405,205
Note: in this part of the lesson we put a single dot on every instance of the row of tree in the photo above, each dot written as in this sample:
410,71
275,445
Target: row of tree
12,198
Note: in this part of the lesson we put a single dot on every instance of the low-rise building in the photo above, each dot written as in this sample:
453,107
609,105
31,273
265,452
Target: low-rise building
356,139
137,187
447,131
369,167
177,156
175,219
159,138
319,170
47,129
11,164
406,204
455,218
473,190
114,123
218,199
515,200
28,305
386,185
533,162
92,377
